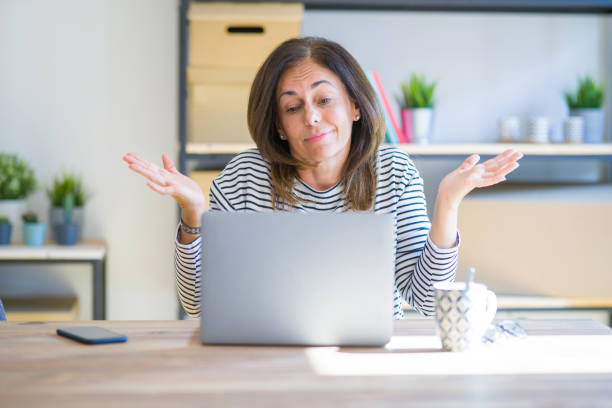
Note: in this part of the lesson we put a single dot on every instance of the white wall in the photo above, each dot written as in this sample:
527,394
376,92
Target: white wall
82,84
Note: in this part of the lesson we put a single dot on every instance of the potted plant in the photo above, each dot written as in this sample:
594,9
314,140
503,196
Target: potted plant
67,198
17,181
587,103
418,110
67,232
5,230
33,231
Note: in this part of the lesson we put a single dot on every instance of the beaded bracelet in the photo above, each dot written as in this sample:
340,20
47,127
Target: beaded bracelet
189,230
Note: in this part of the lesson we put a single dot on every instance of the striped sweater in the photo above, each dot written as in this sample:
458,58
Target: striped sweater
244,185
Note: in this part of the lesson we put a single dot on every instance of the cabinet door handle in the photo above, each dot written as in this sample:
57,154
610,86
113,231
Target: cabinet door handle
245,29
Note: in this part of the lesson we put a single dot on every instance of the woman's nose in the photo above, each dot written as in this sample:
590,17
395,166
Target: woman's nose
313,116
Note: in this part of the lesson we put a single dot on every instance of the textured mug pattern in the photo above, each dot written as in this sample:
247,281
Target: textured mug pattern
462,316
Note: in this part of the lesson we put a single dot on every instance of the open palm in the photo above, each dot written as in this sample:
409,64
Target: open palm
168,181
470,175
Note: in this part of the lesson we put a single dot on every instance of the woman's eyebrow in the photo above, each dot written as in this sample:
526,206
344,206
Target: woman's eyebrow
314,85
317,83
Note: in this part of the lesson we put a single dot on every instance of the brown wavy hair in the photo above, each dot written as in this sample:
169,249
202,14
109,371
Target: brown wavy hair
359,172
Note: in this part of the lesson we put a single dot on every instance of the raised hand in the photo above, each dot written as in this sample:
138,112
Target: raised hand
458,183
470,175
168,181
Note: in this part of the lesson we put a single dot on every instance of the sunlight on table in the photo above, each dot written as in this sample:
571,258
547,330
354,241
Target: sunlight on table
423,355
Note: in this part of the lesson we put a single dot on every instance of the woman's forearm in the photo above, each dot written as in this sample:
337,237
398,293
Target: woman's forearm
443,231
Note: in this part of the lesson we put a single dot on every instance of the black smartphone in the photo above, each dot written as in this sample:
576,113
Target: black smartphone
91,335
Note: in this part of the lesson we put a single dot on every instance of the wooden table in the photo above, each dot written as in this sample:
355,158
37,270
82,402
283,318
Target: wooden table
561,363
89,252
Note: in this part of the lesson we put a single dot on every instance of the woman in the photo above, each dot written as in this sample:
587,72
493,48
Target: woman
318,130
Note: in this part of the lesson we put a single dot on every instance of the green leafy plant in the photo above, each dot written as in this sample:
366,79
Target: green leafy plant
67,184
418,93
30,217
588,95
16,177
4,220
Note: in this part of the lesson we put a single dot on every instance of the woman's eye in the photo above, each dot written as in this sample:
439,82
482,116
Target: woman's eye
325,100
292,109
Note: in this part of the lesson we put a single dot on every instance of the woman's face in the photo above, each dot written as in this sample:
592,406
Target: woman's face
315,113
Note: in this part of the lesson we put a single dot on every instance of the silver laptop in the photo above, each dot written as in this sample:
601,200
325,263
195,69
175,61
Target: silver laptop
297,279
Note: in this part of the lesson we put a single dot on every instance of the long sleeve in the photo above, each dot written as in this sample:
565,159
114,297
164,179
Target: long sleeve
188,262
419,263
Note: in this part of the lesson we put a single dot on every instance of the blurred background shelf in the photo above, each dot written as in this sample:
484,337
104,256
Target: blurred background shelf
559,6
595,151
41,308
216,155
85,250
93,252
543,307
523,6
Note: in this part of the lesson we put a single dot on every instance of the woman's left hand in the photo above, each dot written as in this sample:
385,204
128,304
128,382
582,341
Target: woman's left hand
458,183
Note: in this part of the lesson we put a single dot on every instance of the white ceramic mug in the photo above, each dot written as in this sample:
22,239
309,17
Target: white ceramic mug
463,315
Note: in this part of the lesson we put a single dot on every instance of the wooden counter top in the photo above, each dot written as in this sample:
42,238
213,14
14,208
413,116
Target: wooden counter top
560,363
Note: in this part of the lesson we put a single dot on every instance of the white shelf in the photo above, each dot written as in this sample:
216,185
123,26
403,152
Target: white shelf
496,148
217,148
94,250
595,150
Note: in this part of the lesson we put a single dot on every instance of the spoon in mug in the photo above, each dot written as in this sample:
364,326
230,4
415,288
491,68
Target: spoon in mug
470,277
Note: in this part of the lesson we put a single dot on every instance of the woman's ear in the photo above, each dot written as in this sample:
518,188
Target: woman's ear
281,132
357,112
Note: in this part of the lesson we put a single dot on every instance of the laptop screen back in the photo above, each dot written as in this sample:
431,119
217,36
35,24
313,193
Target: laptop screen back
295,278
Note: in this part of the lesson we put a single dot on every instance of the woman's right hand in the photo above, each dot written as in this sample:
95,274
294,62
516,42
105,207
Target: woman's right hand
169,182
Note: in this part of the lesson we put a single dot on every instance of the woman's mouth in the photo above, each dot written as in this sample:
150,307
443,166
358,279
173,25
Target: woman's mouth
317,137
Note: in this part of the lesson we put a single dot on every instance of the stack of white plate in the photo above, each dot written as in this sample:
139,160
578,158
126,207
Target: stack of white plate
538,130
